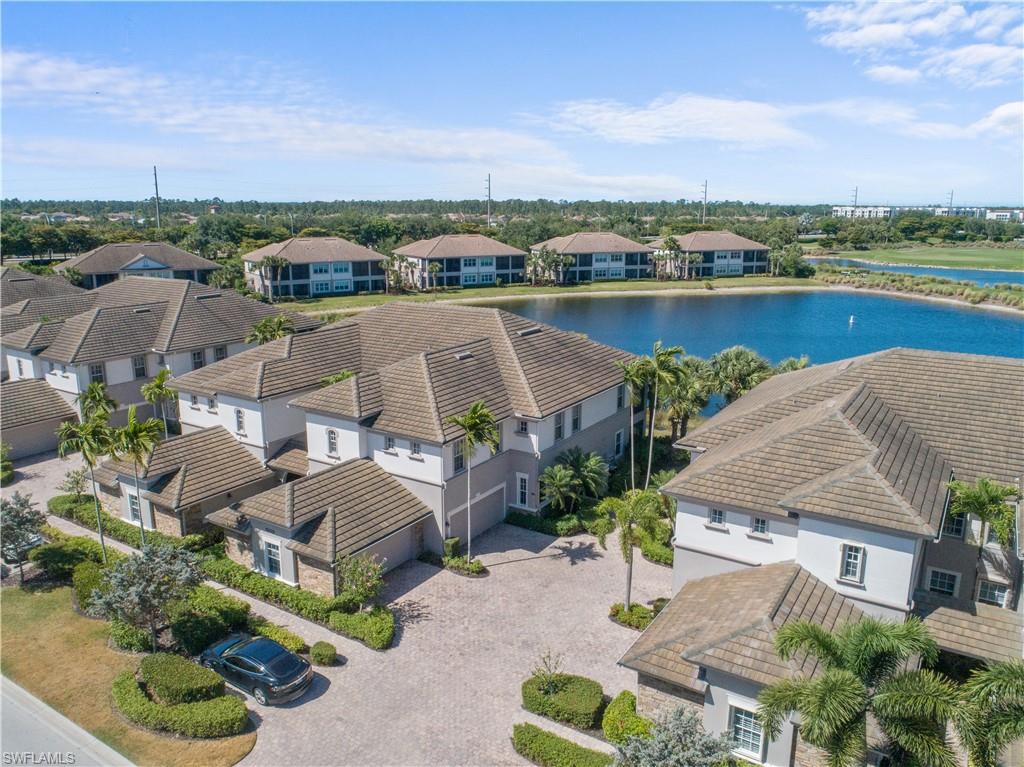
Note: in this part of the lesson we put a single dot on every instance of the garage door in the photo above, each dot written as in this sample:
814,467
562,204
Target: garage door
404,545
488,510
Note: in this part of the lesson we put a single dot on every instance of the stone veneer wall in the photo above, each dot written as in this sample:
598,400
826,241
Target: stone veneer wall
110,502
315,576
239,548
656,696
166,521
806,755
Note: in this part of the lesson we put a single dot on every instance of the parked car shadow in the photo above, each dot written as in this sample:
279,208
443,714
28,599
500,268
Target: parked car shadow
319,687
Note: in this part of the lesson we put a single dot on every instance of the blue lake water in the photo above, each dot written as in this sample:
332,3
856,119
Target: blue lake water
780,325
978,276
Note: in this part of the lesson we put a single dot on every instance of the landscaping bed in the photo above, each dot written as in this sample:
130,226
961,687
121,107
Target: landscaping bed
621,721
459,565
573,700
639,616
549,750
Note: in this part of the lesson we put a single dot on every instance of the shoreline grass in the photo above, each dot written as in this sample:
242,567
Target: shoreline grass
43,638
1004,294
1007,259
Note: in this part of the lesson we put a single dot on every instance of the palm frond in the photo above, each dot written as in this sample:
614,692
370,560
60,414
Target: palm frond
775,702
805,636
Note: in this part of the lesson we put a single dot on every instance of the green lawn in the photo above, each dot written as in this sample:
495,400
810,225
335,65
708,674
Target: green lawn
967,258
353,303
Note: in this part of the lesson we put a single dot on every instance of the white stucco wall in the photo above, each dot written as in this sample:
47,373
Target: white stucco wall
427,467
351,439
595,409
734,540
31,366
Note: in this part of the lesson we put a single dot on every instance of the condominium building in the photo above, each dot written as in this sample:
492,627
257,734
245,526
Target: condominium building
599,256
465,260
118,260
316,266
711,254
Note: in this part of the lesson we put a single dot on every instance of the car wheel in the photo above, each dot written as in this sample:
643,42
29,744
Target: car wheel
207,663
259,695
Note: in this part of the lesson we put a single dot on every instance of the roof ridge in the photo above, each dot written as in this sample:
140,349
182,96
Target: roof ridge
289,504
434,410
175,317
782,594
500,317
181,484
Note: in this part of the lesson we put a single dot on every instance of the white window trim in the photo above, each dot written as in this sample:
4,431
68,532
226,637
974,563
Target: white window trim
332,451
620,443
1004,584
859,580
519,478
748,708
710,524
757,535
956,586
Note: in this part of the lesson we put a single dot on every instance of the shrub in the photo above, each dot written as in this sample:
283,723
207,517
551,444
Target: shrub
323,654
195,631
86,577
570,524
174,679
359,577
620,720
462,565
656,552
532,522
232,610
59,558
260,626
127,637
375,628
225,715
638,617
452,546
577,701
550,750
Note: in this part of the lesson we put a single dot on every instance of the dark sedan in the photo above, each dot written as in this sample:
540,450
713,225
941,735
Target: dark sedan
259,666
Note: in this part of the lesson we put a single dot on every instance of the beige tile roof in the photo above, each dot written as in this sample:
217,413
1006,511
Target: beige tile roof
115,256
110,332
30,400
286,365
872,439
975,630
340,510
34,337
592,242
17,285
19,315
291,457
698,242
309,250
728,622
457,246
193,467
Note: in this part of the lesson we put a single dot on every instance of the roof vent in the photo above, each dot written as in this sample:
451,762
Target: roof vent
531,331
142,310
463,355
204,296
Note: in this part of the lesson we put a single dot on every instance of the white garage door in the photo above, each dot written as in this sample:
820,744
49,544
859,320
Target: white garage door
398,548
488,510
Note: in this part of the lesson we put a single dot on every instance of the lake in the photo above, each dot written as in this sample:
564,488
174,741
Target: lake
779,325
977,276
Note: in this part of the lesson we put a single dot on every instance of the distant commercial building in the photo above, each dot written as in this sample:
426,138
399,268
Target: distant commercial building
862,211
1004,214
888,211
465,259
317,266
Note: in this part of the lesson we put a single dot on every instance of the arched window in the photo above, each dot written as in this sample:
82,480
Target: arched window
239,420
332,442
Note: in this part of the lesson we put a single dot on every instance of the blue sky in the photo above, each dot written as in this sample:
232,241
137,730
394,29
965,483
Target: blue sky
770,102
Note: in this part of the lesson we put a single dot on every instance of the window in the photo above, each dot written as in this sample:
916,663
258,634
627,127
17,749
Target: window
488,261
458,456
211,403
21,369
342,267
273,553
469,279
133,508
617,258
942,582
161,360
415,449
523,428
559,426
746,732
523,489
194,400
953,527
991,539
389,442
321,268
577,418
620,396
992,593
487,278
96,373
716,517
600,274
759,526
343,286
198,359
332,442
139,366
321,287
468,263
619,439
220,353
852,565
239,420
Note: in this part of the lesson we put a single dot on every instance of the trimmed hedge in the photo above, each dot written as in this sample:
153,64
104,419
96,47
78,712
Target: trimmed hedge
323,654
195,631
374,628
463,565
558,527
59,558
639,617
260,626
174,679
550,750
621,721
128,637
215,718
86,578
232,610
577,701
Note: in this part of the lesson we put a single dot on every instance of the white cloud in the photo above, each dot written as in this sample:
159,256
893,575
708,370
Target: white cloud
981,64
893,74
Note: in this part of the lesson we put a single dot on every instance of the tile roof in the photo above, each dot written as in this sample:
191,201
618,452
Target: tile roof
291,457
340,510
279,367
46,309
592,242
871,439
29,401
17,285
457,246
309,250
698,242
728,622
974,629
34,337
193,467
115,256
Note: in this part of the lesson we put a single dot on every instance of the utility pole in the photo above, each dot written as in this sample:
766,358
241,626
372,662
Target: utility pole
291,218
855,189
951,202
156,189
704,209
488,200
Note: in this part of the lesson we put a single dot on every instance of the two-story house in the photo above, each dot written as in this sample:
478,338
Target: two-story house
317,266
415,367
117,260
122,333
599,256
468,260
712,254
822,495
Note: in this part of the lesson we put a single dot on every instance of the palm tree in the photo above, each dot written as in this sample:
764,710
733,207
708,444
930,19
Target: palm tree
479,428
136,440
633,379
738,370
863,676
558,487
692,259
993,696
986,500
589,471
434,268
635,509
790,364
270,329
662,369
689,394
157,392
92,438
95,401
673,251
668,504
273,266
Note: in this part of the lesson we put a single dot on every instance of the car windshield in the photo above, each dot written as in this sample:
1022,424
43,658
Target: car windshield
285,665
277,660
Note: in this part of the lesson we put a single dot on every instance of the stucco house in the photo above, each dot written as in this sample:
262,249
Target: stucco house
117,260
713,254
468,260
822,494
317,266
600,256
